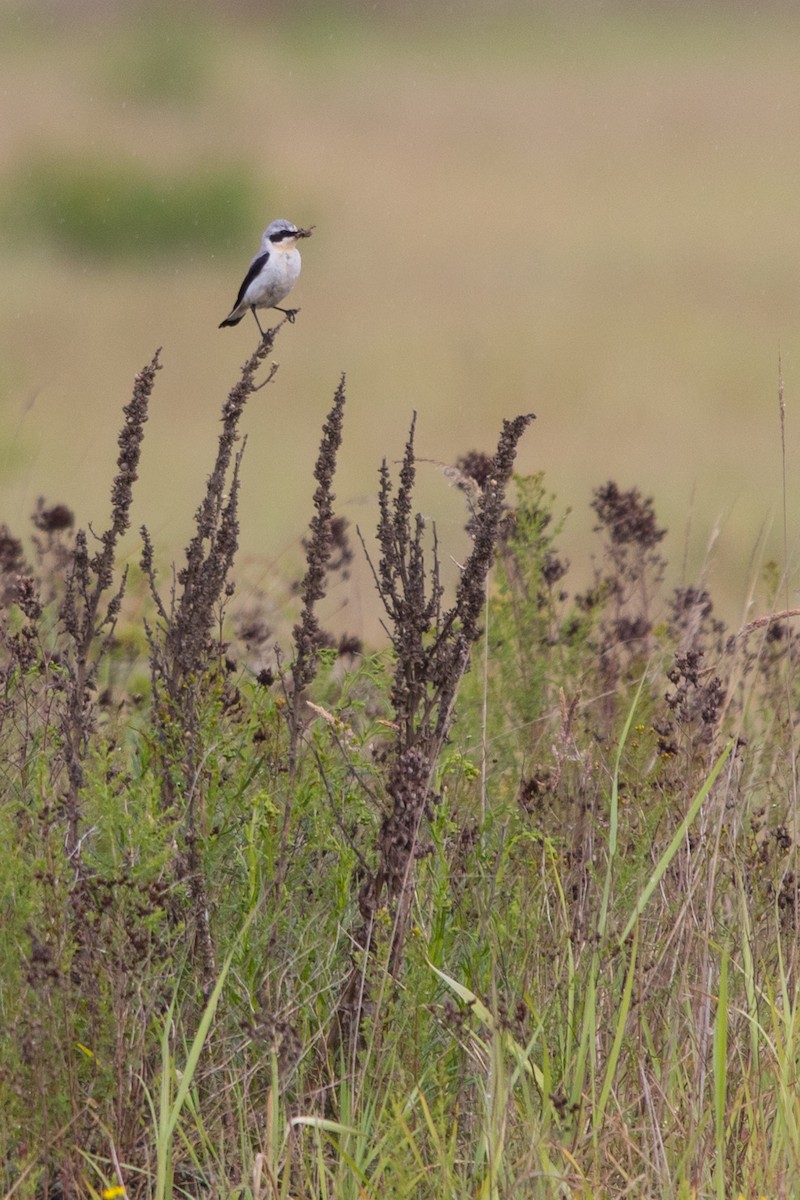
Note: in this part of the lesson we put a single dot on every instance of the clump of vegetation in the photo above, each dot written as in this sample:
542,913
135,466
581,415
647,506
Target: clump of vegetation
122,210
507,907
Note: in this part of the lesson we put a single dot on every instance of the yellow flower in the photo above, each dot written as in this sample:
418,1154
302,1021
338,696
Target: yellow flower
111,1193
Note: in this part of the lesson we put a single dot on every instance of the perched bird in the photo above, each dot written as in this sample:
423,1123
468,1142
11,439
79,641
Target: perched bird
272,275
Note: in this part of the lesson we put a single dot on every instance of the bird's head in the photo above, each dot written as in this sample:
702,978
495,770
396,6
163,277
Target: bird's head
283,235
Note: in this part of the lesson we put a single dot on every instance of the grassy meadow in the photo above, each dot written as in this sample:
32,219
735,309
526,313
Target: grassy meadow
412,836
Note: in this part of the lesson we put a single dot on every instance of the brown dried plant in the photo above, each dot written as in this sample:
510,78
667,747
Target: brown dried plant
89,626
181,646
431,654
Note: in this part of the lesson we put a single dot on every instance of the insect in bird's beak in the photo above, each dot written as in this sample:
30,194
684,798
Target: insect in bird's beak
306,232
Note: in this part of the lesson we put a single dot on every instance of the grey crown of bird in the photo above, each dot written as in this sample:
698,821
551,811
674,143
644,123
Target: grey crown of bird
272,274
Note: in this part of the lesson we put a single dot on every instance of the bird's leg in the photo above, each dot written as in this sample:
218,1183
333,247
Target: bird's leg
289,313
258,323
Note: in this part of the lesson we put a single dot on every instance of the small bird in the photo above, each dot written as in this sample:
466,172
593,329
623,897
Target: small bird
272,274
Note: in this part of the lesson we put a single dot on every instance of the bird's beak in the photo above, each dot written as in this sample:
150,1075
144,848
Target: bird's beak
306,232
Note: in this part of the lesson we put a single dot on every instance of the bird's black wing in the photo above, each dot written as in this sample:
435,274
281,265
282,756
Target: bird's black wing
256,266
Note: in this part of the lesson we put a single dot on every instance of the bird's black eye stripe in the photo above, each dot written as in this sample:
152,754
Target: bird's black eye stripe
282,234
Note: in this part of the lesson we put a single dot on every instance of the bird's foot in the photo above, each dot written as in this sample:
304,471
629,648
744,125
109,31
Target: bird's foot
289,313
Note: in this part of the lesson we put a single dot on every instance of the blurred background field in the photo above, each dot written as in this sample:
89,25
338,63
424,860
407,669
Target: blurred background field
584,210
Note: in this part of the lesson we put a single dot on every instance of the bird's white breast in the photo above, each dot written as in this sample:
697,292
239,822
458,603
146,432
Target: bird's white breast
277,278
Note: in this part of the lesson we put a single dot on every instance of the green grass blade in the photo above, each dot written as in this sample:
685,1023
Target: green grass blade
613,1058
169,1113
721,1075
675,844
613,816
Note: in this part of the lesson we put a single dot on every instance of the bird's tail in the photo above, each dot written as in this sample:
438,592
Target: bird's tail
231,320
